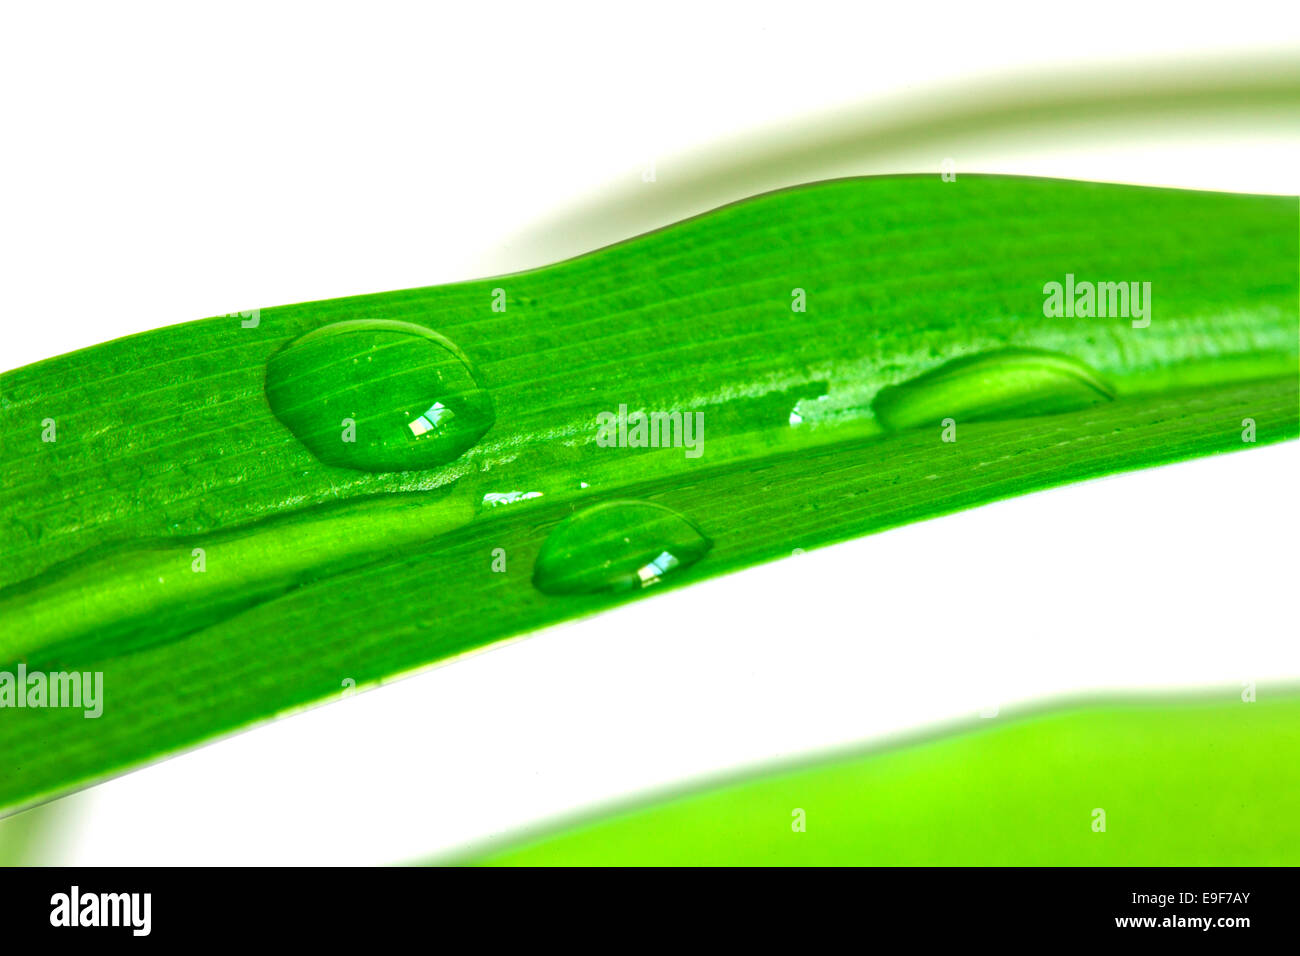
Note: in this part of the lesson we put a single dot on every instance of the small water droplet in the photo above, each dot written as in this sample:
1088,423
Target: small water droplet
494,498
617,546
417,400
1009,383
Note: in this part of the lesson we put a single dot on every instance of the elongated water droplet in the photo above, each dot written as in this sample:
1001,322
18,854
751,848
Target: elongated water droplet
119,598
411,399
617,546
1011,383
494,499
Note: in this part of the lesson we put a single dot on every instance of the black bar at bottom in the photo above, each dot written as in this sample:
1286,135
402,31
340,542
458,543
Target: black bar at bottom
1172,906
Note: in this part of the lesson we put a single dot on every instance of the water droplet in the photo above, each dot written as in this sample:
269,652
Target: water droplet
1010,383
104,602
415,398
617,546
494,498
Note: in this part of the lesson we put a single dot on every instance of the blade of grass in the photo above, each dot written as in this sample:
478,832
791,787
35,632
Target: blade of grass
168,434
1198,782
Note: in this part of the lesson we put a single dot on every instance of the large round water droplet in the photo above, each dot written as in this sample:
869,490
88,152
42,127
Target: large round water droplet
617,546
379,395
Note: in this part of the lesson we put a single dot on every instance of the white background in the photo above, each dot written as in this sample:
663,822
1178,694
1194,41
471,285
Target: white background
164,162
